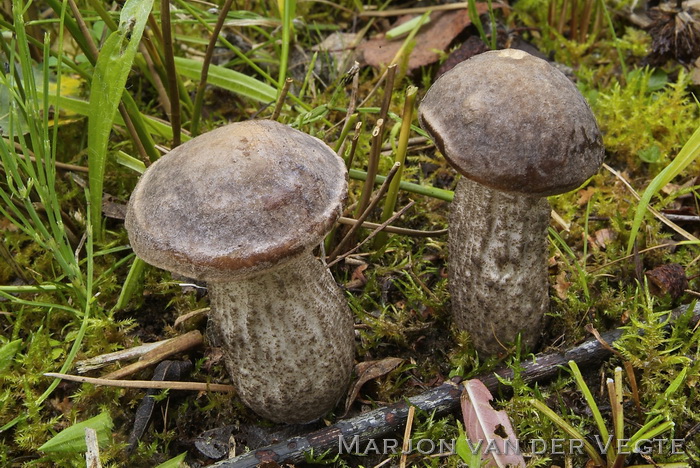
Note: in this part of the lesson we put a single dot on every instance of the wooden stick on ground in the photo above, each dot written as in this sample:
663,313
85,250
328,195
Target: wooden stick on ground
383,421
157,384
176,345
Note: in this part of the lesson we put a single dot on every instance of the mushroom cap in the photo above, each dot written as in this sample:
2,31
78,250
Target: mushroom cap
235,201
513,122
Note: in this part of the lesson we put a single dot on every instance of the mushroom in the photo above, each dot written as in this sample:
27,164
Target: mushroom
242,208
517,130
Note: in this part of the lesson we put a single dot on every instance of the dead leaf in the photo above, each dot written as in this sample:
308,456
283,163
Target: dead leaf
669,278
358,278
437,35
64,405
561,286
604,236
367,371
585,195
339,46
492,428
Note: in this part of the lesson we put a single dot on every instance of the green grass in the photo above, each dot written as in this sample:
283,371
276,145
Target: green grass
71,288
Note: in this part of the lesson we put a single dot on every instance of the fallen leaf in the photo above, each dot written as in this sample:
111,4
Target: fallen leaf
357,279
367,371
585,195
669,278
604,236
491,428
561,286
339,46
436,36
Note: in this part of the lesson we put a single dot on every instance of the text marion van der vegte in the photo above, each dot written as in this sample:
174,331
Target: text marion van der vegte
508,446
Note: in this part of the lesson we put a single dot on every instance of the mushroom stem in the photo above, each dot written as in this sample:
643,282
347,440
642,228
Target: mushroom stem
288,339
497,268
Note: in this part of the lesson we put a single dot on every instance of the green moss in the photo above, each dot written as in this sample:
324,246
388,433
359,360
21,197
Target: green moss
644,121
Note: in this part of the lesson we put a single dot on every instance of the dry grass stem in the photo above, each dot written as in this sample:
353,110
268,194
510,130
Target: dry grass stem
160,384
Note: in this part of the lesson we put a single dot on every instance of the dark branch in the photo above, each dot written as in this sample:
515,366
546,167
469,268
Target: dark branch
443,399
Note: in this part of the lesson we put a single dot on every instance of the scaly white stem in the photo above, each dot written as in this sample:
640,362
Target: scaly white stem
497,265
288,339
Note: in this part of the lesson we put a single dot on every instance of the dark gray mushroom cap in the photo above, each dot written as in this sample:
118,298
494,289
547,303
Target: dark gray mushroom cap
513,122
235,201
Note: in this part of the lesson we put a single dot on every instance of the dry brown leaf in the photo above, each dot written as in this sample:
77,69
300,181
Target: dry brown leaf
669,278
561,286
367,371
492,428
358,279
585,195
437,35
604,236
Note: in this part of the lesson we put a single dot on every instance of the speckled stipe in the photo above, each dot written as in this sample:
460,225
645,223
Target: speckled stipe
288,339
497,265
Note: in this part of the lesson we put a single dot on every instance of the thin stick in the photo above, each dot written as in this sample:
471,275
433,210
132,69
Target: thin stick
280,101
372,166
618,260
170,72
176,345
373,233
160,384
388,91
102,360
407,436
394,229
420,10
366,212
157,82
651,209
400,157
92,455
199,96
352,105
353,145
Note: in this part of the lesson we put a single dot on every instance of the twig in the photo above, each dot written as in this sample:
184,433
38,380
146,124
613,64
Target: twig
366,212
280,100
372,166
420,10
171,73
394,229
176,345
92,454
199,96
102,360
190,315
162,384
388,92
443,399
407,436
396,216
651,209
353,145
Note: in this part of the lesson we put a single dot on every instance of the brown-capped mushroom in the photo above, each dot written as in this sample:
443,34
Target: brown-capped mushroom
242,207
518,130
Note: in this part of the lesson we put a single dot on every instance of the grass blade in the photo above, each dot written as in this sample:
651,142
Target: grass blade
72,439
230,80
687,154
108,82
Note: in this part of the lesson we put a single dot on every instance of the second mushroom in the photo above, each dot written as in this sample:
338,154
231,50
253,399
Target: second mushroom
242,207
518,130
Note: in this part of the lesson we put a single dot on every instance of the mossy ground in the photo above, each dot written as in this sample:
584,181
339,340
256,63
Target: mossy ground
398,293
